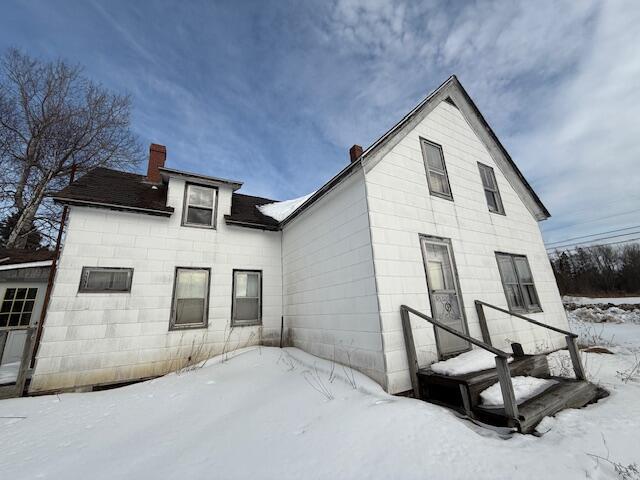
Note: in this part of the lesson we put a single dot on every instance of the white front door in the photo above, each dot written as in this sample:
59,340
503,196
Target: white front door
444,295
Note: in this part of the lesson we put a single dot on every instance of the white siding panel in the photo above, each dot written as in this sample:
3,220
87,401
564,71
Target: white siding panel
331,307
101,338
401,208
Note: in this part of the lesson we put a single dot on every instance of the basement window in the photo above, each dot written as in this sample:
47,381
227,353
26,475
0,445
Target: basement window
247,298
190,304
105,280
200,206
437,177
517,282
491,192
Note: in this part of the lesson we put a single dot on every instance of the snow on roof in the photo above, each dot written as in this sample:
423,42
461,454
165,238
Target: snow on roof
281,210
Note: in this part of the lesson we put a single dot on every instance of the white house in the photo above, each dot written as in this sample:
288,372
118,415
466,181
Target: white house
434,215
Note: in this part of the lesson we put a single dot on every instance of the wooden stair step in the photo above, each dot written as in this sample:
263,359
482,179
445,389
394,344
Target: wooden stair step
448,390
567,393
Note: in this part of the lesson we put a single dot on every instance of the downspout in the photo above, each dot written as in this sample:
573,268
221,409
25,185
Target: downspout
52,275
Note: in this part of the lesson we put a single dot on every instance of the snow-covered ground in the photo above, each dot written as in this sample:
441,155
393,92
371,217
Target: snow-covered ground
271,413
601,300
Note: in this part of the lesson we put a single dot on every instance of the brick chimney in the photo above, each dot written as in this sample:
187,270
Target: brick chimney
157,157
355,152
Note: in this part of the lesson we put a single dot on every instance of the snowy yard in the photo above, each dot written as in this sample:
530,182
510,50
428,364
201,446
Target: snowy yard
271,413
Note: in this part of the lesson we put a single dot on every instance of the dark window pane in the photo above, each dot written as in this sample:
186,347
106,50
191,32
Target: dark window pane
522,266
531,296
14,320
98,280
201,196
247,309
506,269
21,293
31,293
10,293
514,297
491,200
120,280
189,311
28,306
199,216
439,183
435,159
4,319
6,306
24,319
17,306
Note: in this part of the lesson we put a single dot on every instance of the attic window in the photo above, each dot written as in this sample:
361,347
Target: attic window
200,206
437,177
491,192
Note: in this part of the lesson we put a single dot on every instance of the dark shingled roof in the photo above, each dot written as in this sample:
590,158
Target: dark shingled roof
116,189
13,256
244,211
129,191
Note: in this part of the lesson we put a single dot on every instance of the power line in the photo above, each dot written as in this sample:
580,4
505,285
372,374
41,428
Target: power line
629,240
594,234
591,221
591,241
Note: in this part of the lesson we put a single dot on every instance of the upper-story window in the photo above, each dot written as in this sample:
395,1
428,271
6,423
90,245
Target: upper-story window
491,191
436,169
200,206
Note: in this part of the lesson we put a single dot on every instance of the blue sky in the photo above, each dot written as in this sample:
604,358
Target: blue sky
274,93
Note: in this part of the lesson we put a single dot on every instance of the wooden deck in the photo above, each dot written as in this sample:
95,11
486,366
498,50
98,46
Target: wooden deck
462,393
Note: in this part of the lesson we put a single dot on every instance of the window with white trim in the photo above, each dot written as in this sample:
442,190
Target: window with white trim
17,307
437,177
190,304
105,280
247,297
199,206
491,192
517,281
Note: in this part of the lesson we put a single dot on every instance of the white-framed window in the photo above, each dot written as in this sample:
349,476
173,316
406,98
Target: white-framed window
491,192
200,206
517,281
190,305
437,177
105,280
17,307
246,308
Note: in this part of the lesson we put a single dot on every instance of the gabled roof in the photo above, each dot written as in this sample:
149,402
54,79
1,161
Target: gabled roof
453,92
103,187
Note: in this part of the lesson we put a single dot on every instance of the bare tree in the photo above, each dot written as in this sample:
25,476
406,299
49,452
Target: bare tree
52,117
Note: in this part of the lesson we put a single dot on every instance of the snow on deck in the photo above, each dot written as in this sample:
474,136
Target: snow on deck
523,387
281,210
283,414
472,361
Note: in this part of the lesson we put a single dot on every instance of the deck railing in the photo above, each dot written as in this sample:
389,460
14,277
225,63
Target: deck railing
502,358
570,337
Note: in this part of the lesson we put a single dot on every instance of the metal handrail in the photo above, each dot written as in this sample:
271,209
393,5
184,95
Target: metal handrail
502,359
530,320
479,343
570,337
